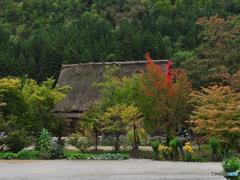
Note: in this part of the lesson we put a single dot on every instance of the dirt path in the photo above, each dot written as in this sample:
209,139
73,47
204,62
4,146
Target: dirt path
132,169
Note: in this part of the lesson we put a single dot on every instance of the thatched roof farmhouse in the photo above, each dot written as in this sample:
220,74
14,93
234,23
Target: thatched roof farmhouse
81,76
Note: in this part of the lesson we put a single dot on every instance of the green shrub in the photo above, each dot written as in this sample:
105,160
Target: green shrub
25,154
80,142
215,149
17,140
200,159
226,155
230,165
57,151
155,147
157,138
176,145
142,134
96,156
44,143
9,155
173,145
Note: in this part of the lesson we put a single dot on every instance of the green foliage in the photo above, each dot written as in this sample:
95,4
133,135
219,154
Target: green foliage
29,105
226,155
17,140
231,165
41,100
44,143
80,142
174,144
121,29
25,154
56,151
181,56
155,147
100,156
176,148
9,155
142,134
200,159
90,121
214,142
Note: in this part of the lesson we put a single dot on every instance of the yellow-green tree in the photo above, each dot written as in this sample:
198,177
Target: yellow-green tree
120,117
134,119
217,114
10,90
41,100
90,121
112,121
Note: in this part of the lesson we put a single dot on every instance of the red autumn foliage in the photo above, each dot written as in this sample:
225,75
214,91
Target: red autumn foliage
168,91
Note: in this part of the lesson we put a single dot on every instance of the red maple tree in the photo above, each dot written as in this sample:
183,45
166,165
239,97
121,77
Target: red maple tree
167,93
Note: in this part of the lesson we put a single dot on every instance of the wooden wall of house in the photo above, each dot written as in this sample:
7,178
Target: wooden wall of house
71,128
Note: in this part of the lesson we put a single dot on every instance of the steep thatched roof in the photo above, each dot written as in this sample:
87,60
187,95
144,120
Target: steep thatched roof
81,76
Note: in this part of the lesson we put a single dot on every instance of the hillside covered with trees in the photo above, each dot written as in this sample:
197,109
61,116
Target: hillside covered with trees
37,36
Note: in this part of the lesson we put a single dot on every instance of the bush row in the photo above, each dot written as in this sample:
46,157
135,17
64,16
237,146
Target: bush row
98,156
35,154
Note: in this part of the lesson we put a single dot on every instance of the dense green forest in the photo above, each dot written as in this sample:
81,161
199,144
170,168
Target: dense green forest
37,36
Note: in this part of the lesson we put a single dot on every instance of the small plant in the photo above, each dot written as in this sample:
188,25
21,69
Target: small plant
57,151
25,154
80,142
45,143
177,148
142,135
230,165
179,145
200,159
189,152
155,147
173,144
17,140
166,152
215,149
9,155
226,155
96,156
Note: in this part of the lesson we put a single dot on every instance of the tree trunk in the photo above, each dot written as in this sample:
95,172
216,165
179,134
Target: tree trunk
96,139
60,136
117,142
135,144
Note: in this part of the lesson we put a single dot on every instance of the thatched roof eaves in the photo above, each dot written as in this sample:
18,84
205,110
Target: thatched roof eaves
81,76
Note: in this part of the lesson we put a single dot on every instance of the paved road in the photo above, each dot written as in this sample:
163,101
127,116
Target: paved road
132,169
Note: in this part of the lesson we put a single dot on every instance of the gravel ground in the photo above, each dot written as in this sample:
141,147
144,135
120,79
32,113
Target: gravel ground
132,169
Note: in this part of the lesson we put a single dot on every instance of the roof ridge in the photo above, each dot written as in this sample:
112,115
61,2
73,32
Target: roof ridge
111,63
